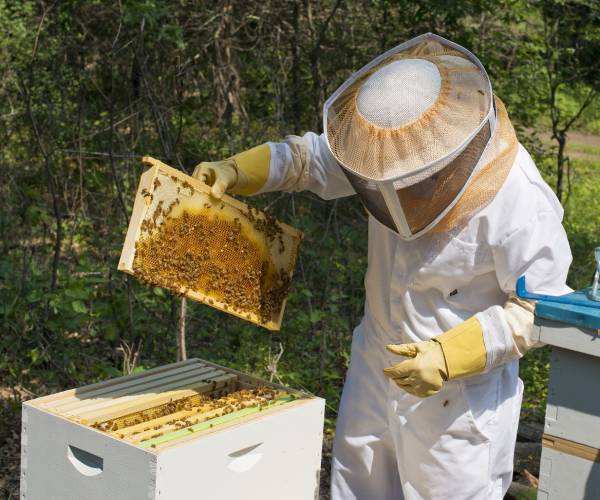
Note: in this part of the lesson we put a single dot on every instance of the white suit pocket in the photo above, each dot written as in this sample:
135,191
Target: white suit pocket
482,396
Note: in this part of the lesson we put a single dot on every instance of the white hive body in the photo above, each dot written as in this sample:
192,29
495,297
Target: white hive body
570,461
165,434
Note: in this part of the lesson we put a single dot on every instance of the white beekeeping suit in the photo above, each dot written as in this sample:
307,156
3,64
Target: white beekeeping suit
458,211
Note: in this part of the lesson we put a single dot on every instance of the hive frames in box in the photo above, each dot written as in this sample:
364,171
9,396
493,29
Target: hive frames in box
153,426
157,409
221,252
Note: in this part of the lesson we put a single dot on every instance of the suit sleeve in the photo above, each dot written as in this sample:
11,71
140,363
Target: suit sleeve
305,163
540,251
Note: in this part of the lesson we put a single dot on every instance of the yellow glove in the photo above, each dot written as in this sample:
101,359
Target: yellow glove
244,173
424,374
459,352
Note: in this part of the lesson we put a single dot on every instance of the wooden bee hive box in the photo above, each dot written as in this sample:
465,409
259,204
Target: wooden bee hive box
223,253
190,430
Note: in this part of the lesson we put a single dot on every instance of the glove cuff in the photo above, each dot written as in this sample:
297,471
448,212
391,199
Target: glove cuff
464,349
252,169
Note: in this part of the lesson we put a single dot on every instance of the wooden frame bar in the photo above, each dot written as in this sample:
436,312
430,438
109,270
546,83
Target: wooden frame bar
571,448
142,205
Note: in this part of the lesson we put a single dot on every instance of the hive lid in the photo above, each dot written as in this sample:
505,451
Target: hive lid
223,253
583,312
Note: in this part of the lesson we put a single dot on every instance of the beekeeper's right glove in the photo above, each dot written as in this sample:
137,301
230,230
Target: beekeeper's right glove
244,173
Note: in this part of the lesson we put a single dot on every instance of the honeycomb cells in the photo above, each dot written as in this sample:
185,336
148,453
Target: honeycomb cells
204,250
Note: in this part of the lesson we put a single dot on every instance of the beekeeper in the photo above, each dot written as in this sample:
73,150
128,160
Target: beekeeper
457,212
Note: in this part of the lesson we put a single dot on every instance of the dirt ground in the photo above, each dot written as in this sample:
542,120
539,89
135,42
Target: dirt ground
579,145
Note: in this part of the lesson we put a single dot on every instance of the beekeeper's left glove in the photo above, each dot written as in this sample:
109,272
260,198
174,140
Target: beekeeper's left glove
459,352
244,173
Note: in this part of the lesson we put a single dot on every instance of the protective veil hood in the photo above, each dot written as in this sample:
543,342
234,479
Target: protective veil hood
416,130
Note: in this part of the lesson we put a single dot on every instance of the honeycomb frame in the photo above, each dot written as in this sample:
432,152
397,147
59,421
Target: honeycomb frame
279,251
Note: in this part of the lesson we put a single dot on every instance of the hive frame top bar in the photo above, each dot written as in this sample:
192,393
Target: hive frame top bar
140,210
49,403
119,382
201,186
112,382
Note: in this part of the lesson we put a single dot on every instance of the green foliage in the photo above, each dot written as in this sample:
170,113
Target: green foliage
582,220
88,87
534,373
529,495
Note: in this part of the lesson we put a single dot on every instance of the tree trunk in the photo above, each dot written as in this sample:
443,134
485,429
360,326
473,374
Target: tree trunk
181,350
296,84
560,165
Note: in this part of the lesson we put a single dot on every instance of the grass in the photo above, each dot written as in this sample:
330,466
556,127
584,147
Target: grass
586,149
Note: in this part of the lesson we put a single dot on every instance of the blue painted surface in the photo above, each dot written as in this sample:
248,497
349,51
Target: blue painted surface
577,315
574,308
578,298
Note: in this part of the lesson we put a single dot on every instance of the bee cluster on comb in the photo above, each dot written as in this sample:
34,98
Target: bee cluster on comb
221,252
146,426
